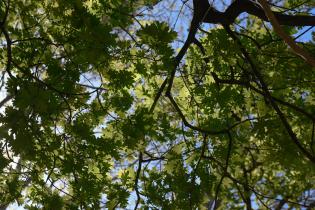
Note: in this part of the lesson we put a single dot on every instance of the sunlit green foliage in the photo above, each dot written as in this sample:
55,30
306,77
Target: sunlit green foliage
85,123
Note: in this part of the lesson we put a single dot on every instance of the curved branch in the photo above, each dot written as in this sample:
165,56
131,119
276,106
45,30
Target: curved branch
269,97
248,85
201,10
230,143
186,123
277,28
240,6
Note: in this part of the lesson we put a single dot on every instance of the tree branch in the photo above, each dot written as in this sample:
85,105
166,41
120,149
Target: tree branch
275,24
229,149
268,96
240,6
248,85
158,95
5,100
137,180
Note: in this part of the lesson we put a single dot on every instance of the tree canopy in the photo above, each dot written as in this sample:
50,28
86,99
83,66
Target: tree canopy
157,104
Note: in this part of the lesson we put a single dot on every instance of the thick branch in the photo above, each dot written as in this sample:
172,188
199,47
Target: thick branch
275,24
9,51
240,6
201,10
6,13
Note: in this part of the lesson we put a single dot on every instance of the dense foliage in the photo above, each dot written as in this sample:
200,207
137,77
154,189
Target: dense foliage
104,106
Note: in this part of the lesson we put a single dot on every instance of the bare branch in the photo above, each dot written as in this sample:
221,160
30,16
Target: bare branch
5,100
275,23
239,6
